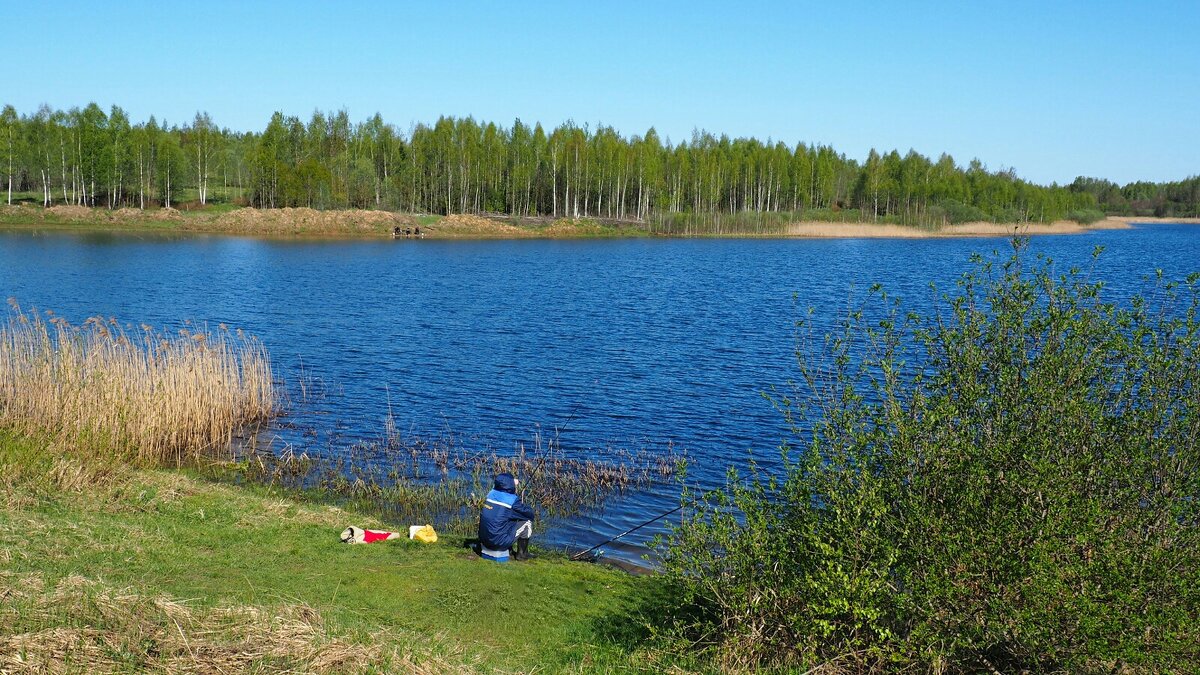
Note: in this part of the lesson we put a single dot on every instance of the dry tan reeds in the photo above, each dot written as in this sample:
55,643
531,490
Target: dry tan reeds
153,397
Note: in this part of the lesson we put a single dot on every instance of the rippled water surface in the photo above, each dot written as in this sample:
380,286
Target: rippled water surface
631,344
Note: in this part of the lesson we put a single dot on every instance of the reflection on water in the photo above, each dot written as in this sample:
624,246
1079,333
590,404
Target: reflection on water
626,344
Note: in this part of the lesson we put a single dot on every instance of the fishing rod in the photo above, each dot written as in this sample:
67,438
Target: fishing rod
557,433
580,555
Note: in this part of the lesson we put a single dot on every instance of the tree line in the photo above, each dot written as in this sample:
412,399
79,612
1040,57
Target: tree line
85,156
1142,198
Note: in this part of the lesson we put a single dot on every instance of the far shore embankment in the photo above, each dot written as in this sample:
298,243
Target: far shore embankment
376,224
976,229
1136,220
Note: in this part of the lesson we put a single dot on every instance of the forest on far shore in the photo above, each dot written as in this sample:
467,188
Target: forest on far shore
85,156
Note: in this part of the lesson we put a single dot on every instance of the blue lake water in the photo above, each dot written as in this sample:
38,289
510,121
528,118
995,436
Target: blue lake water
634,344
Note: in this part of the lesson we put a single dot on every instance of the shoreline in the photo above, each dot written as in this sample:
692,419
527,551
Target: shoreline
181,570
1150,220
304,223
962,230
860,230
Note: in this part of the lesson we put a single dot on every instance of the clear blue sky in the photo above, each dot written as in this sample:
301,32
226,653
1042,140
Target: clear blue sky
1052,89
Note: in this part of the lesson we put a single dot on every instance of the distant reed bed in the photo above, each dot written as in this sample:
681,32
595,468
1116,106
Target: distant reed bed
145,395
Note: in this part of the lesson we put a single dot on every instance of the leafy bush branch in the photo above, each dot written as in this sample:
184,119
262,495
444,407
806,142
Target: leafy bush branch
1010,482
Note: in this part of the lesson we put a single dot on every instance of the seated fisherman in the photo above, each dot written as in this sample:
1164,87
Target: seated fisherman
505,519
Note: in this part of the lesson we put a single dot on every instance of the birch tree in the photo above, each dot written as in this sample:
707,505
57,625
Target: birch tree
201,139
9,130
171,167
118,143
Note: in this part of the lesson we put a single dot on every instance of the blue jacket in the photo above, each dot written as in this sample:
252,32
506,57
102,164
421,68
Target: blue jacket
502,513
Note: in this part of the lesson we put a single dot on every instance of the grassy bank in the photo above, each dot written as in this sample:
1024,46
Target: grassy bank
369,224
111,562
104,567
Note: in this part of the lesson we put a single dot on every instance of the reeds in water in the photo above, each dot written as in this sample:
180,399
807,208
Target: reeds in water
442,481
145,395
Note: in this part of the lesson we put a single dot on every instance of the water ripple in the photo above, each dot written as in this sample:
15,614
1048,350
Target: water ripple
632,344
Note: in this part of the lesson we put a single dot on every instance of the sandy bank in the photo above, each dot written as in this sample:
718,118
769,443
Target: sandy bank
1134,220
979,229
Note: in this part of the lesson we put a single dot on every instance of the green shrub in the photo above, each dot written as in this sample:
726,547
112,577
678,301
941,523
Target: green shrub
1086,216
958,212
1011,483
1007,215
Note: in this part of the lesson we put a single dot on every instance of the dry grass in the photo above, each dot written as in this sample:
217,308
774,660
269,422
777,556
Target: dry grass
69,212
307,221
75,214
80,625
153,397
132,215
466,226
248,221
74,477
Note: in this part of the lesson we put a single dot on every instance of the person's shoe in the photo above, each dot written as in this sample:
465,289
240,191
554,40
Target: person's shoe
523,549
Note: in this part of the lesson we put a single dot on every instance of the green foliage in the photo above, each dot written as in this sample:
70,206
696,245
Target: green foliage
1175,199
957,212
1086,216
1012,483
706,184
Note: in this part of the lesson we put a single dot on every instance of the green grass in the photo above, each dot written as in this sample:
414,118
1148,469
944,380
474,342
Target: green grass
590,228
146,539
